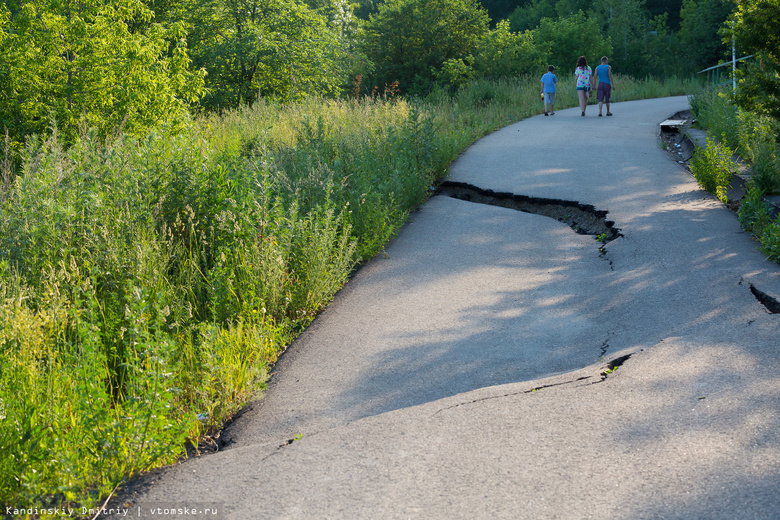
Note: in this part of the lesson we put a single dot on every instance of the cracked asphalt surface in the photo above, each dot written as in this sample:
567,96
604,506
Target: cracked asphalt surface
496,364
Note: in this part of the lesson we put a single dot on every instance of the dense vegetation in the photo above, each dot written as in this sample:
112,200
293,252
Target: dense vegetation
745,121
184,184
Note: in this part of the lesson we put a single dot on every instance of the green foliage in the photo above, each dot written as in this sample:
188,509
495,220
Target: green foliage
754,214
276,48
641,36
713,167
671,8
758,141
625,23
499,10
754,135
502,53
365,8
756,30
714,110
167,284
661,46
86,67
529,15
770,241
409,41
700,21
567,39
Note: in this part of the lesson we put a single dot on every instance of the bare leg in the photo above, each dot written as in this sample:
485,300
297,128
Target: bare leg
583,100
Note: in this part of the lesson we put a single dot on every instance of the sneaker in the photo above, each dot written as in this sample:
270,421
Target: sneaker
609,113
599,115
546,114
583,113
552,113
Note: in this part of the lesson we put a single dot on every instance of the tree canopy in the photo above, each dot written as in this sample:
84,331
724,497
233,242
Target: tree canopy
756,26
569,38
80,63
408,41
253,48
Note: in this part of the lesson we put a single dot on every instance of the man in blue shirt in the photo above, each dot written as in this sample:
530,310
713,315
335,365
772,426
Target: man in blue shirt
606,86
548,90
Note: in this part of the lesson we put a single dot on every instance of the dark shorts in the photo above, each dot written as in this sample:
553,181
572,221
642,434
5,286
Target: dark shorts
603,93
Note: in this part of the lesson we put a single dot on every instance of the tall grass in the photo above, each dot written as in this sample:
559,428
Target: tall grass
148,285
755,138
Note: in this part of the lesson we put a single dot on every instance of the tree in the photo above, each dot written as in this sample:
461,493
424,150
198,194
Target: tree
500,9
700,21
408,41
502,53
661,48
756,26
567,39
78,63
274,48
670,7
530,14
626,23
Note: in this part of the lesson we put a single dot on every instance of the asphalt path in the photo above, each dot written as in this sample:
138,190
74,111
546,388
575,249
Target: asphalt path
496,364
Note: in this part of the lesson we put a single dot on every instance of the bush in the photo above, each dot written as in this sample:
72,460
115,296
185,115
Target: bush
565,40
753,212
712,166
713,109
409,40
758,141
770,241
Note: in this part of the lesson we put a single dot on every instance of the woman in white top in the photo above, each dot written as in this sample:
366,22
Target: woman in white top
584,82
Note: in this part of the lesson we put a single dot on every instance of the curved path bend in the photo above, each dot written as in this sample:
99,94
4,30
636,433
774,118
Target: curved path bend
496,364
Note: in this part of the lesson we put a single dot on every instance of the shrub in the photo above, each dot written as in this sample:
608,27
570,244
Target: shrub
713,109
753,212
770,241
758,141
712,166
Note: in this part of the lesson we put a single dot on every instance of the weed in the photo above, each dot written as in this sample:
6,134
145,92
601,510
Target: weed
712,166
770,241
754,214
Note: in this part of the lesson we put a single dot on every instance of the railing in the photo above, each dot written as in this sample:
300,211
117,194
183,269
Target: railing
714,73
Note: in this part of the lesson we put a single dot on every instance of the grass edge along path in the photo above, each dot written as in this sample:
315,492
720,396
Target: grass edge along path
148,285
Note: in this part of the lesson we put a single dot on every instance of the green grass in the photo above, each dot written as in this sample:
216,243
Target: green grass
148,285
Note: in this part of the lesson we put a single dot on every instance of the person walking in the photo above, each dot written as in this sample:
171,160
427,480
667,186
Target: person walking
584,82
606,85
548,89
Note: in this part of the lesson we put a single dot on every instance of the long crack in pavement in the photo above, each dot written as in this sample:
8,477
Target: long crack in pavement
582,218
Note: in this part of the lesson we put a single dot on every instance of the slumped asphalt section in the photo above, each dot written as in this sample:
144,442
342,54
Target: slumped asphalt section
495,364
